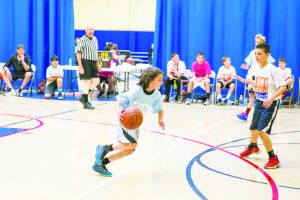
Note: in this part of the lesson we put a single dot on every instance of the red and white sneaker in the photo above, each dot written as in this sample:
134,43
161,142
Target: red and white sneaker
250,150
273,163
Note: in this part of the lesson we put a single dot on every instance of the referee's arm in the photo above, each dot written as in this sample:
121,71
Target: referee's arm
78,56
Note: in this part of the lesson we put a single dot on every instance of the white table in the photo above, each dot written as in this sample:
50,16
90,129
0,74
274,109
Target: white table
125,68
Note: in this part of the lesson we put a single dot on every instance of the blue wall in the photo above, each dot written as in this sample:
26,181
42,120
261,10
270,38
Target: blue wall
45,27
219,28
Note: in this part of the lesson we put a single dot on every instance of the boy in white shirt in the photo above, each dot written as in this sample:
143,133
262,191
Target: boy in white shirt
176,71
286,74
54,77
268,86
225,80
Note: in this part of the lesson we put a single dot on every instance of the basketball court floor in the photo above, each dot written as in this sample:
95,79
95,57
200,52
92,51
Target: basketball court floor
47,149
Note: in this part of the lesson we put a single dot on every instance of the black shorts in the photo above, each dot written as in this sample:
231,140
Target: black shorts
15,76
90,70
228,84
104,79
263,118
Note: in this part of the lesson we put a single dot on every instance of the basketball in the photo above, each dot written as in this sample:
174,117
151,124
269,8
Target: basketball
132,118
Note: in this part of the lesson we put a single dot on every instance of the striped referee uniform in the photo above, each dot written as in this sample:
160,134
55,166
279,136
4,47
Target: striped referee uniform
88,48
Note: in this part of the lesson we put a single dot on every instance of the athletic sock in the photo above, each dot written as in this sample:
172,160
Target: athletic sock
105,161
271,154
251,145
248,110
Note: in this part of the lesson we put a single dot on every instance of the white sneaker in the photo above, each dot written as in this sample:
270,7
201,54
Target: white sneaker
188,102
207,102
19,93
12,92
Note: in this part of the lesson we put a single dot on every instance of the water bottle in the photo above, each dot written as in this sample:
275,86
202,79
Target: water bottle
241,100
70,61
245,102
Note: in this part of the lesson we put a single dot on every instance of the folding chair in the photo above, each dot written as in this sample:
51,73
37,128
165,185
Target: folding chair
292,93
1,79
233,97
32,81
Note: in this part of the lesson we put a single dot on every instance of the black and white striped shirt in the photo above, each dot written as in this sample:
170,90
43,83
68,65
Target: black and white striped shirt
88,48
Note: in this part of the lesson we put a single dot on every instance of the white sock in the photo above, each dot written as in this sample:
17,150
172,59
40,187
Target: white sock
228,95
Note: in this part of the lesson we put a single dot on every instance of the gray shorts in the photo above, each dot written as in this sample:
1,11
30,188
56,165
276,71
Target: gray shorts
125,135
51,88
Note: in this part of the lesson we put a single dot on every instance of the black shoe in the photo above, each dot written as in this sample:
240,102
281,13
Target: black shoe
81,99
176,98
89,106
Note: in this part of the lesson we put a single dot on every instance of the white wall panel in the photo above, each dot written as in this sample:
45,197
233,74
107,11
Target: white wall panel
135,15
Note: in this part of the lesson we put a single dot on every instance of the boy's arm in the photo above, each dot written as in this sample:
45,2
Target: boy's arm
161,122
267,103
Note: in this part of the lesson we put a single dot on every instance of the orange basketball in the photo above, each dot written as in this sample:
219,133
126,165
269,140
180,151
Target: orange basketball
132,118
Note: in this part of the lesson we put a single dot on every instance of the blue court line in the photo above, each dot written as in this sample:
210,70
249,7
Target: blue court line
197,159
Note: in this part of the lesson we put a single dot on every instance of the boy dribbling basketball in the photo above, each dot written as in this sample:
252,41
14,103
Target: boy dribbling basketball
147,94
268,87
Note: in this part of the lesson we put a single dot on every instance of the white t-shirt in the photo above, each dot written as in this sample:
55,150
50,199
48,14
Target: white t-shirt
181,67
267,81
226,74
250,60
285,73
52,71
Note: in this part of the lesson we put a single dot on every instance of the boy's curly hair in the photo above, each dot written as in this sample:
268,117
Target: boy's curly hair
149,75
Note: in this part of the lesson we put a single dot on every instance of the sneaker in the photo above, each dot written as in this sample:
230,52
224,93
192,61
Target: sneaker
101,93
88,105
273,163
188,102
99,152
60,96
207,102
108,94
242,116
176,98
225,102
19,93
250,150
101,169
81,99
180,99
220,102
12,92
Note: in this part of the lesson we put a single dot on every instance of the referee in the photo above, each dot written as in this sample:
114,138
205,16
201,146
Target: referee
87,57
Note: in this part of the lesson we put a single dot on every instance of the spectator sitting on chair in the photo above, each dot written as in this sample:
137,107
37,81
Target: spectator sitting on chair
54,77
176,70
107,77
225,80
21,70
200,77
286,74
